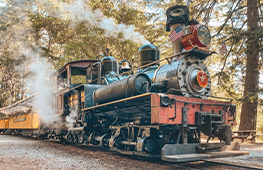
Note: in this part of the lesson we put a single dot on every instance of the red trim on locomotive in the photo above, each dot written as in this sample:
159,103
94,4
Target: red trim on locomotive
168,115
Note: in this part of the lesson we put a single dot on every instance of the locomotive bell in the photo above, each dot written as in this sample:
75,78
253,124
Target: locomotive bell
125,66
148,53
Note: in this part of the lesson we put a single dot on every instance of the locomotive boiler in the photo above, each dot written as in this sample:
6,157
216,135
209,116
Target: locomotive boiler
153,110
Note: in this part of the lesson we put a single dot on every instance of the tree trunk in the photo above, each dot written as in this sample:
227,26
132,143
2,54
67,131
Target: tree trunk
248,117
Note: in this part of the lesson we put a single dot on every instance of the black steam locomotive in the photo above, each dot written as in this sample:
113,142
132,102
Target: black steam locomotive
154,110
151,111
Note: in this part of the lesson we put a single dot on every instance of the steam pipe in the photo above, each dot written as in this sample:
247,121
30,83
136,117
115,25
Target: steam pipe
76,129
147,84
99,71
124,142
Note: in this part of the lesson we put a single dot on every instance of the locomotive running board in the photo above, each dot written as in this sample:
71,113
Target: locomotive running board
189,152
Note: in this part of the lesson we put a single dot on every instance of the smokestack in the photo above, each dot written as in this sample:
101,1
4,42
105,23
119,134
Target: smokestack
177,15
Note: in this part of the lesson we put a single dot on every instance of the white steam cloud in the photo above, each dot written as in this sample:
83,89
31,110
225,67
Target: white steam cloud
71,118
20,40
78,11
41,82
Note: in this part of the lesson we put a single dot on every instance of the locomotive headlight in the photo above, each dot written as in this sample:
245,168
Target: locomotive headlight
204,35
196,35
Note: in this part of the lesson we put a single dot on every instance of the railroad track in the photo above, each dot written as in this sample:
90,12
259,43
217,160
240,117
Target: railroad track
233,164
177,165
205,164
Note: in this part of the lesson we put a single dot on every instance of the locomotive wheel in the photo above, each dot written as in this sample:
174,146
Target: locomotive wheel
62,139
75,138
105,140
92,140
70,138
81,137
149,145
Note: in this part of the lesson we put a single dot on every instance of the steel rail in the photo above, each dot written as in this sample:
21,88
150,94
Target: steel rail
232,164
178,165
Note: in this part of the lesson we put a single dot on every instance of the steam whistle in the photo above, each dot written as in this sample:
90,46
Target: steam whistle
107,49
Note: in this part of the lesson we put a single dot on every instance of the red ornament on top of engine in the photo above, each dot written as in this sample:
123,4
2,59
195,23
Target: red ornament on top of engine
196,35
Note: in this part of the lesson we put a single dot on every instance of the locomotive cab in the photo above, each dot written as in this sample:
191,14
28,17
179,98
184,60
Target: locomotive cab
70,76
74,73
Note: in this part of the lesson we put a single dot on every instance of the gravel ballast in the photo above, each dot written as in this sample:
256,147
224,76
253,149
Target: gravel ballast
26,153
255,157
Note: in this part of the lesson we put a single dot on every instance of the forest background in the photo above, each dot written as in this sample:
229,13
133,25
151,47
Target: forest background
61,31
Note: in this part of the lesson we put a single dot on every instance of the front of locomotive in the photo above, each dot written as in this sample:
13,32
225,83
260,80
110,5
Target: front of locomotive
186,73
182,88
192,76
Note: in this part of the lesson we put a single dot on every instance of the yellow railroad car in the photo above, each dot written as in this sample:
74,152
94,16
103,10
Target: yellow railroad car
27,121
3,124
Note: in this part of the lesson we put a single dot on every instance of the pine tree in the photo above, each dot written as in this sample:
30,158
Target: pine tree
248,118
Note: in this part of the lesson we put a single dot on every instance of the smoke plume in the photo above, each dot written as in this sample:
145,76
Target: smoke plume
20,41
71,118
78,11
41,81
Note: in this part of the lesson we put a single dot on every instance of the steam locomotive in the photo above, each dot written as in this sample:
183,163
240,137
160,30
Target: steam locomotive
154,110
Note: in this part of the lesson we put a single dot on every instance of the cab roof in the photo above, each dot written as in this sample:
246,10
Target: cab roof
77,64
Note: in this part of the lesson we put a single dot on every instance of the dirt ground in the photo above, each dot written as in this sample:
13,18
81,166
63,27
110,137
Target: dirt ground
26,153
255,157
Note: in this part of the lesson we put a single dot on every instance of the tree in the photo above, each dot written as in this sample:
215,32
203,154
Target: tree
63,34
250,104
